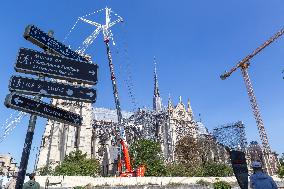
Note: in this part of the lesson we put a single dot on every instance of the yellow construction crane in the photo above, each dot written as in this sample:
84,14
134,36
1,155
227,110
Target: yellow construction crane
243,65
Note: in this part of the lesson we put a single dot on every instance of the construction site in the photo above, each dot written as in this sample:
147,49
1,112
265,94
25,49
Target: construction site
107,134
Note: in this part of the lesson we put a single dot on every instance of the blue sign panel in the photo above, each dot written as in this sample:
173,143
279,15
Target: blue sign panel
32,86
25,104
35,62
44,41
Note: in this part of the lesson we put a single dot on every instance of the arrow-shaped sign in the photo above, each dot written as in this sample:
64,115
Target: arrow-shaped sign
51,89
34,62
92,72
44,41
90,94
23,103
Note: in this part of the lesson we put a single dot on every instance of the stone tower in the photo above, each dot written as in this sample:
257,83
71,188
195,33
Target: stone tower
60,139
180,124
157,101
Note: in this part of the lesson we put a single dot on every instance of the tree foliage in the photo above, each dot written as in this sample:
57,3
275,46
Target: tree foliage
196,151
77,164
187,151
281,171
281,168
148,153
281,160
221,185
176,170
194,159
216,170
179,169
46,170
211,169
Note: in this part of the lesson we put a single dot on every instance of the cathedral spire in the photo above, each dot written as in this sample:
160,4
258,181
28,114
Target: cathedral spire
156,87
157,101
189,109
170,102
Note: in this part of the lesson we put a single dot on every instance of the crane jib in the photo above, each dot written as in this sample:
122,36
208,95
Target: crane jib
244,64
255,52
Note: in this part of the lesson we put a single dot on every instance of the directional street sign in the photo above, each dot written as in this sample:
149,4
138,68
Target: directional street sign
51,89
43,40
35,62
60,63
22,103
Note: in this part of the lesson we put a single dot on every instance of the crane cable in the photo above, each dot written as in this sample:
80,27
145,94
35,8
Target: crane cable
128,79
11,123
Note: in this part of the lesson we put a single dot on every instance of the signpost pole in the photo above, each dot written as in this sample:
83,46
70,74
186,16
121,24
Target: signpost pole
26,151
27,148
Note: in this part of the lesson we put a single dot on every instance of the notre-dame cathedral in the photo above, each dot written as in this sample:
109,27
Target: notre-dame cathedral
96,137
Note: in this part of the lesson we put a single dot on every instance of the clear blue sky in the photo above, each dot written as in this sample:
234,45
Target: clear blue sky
193,41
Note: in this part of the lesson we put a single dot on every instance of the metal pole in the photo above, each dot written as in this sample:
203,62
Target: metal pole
27,147
26,151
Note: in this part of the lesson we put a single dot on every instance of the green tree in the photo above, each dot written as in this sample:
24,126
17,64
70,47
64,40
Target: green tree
188,152
148,153
281,171
221,185
281,159
176,170
281,168
183,170
77,164
194,157
213,169
46,170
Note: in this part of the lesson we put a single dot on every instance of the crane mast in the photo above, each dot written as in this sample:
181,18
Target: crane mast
107,34
254,106
115,91
259,122
243,65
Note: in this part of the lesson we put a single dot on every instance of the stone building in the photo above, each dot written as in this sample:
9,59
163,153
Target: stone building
60,139
7,165
97,136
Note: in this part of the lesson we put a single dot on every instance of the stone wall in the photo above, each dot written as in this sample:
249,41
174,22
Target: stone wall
134,182
72,181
